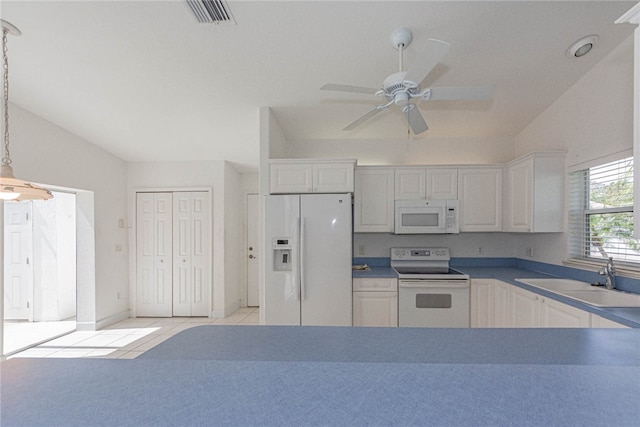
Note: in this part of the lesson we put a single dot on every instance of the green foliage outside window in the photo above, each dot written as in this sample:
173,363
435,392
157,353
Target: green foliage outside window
612,229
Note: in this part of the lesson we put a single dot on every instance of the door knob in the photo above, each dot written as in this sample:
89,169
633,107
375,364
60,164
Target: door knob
251,257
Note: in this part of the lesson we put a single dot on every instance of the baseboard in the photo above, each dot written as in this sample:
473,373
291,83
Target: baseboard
103,323
228,311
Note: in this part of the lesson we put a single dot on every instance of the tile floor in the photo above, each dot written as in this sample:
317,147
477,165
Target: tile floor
20,335
132,337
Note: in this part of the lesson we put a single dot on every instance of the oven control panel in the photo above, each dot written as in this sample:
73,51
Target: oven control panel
420,254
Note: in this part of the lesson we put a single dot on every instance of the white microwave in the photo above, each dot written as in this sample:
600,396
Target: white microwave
426,216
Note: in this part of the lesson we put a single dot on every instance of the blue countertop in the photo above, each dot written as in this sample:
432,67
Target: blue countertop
375,272
305,375
500,269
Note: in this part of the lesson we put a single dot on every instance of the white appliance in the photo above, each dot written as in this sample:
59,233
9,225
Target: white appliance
308,259
430,294
426,216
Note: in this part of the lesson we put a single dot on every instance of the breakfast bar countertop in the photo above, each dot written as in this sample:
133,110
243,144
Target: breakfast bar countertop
306,375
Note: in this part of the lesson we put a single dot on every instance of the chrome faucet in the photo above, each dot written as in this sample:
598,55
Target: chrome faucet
609,271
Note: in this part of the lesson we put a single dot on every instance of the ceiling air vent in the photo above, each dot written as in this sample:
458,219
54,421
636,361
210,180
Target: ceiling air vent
211,11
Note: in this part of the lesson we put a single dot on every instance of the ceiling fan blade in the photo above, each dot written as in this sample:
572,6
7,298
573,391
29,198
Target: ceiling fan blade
462,92
427,60
348,88
364,118
414,118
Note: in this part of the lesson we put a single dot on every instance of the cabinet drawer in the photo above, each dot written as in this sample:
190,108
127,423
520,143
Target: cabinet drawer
375,284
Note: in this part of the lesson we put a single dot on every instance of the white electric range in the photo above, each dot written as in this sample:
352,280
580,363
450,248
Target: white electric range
430,293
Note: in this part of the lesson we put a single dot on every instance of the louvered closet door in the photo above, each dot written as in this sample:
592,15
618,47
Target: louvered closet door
154,218
191,253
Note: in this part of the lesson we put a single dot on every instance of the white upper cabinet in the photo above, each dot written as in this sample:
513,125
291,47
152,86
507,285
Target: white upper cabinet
410,183
535,194
373,200
480,195
426,183
311,176
291,178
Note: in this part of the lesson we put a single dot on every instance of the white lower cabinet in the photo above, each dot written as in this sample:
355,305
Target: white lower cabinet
490,304
375,302
530,310
482,303
502,304
497,304
525,308
554,314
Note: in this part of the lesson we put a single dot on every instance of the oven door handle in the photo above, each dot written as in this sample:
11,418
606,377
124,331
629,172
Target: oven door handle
427,285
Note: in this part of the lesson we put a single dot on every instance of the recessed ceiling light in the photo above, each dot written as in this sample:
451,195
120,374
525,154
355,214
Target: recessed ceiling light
582,46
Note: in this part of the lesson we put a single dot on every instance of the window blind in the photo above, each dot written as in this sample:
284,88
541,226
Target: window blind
601,212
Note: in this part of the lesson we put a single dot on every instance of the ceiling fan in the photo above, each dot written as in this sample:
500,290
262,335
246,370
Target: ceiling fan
404,86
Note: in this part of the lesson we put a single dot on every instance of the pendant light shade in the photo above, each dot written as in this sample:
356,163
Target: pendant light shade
12,188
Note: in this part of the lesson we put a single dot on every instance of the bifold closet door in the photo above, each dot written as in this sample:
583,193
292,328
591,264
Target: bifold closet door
154,242
191,253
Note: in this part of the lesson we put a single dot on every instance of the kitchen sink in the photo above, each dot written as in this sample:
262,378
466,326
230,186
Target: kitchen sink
605,298
584,292
557,285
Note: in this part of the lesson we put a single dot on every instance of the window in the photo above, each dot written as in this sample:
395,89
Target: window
601,213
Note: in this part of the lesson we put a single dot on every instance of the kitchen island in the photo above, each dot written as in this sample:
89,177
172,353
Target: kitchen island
271,375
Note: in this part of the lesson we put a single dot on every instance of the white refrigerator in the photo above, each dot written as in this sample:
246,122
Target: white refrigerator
308,259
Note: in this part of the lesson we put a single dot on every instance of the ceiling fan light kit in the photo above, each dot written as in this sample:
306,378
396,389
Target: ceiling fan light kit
401,87
12,188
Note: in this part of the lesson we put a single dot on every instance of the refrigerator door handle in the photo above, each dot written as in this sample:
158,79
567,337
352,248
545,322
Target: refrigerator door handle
296,261
301,259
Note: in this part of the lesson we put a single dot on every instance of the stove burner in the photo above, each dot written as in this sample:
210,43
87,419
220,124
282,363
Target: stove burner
424,263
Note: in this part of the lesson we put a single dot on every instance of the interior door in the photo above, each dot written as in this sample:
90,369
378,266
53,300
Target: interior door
191,237
154,213
253,250
18,257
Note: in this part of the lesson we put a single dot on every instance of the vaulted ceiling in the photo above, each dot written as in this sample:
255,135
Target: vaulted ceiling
147,82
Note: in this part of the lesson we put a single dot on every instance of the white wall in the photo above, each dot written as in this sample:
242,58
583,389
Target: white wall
277,142
426,151
592,120
233,240
54,260
462,245
47,154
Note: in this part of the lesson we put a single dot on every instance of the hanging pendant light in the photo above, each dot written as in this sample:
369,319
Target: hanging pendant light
12,188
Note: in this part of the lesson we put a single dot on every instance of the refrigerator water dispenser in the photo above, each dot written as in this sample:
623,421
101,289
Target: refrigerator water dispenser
281,254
